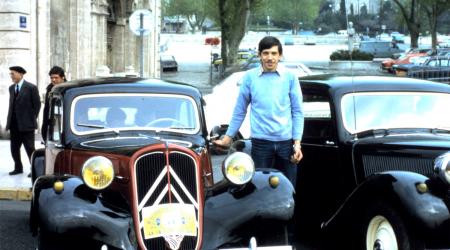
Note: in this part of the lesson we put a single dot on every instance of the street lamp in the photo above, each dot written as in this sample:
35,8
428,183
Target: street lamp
268,23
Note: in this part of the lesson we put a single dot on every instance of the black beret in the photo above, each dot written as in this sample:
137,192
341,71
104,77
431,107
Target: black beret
18,69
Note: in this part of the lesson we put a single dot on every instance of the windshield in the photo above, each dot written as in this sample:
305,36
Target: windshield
118,112
384,110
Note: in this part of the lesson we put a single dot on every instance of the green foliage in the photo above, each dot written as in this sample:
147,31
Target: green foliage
356,55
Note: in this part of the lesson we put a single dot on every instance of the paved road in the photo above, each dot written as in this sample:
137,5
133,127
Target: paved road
14,230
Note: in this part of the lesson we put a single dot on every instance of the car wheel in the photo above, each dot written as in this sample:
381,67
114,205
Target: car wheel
385,229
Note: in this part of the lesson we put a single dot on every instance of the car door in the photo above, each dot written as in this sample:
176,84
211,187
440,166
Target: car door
319,171
54,143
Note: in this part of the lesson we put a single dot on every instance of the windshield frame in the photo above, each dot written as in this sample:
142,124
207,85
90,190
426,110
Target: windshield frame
351,105
191,100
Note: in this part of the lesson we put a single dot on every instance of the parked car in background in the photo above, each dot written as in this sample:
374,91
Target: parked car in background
397,37
432,63
309,40
127,165
379,48
404,59
288,40
435,69
168,63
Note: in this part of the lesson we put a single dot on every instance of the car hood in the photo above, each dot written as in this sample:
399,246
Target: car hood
400,152
127,145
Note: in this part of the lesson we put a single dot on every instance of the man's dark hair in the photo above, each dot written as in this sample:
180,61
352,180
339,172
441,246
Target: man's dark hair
268,42
56,70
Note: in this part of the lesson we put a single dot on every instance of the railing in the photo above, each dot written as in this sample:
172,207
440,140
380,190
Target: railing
437,75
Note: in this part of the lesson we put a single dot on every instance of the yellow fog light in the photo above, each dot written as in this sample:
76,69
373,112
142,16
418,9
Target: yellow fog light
422,188
274,181
98,172
238,168
58,186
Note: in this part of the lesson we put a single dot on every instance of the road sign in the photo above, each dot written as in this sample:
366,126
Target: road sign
135,22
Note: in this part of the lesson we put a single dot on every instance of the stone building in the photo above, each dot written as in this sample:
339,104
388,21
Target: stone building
85,37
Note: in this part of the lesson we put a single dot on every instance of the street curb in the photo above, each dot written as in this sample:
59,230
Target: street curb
22,194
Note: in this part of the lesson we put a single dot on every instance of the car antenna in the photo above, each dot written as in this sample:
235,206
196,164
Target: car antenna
350,34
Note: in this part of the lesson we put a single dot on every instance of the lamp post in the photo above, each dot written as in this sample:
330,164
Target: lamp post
268,24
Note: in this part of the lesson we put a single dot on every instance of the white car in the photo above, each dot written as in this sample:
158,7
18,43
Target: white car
220,103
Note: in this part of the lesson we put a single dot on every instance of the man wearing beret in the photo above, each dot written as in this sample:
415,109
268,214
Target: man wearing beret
24,106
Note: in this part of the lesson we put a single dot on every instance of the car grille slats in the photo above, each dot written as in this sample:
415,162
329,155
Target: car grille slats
380,163
148,172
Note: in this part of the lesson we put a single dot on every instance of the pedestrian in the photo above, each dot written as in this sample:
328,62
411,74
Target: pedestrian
24,106
276,112
57,76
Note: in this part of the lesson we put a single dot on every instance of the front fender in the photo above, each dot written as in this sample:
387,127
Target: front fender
427,212
226,212
79,210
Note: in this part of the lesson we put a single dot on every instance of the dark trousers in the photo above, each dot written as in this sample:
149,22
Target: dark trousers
275,154
17,139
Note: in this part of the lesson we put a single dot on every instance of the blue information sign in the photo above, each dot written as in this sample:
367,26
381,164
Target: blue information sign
23,21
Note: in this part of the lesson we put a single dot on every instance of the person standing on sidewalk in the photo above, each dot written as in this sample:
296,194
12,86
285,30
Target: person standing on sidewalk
57,76
276,113
24,106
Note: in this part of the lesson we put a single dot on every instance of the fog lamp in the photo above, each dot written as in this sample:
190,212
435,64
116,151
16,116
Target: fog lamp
98,172
58,186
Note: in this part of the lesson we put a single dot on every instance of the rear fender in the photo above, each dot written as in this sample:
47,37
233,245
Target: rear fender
37,164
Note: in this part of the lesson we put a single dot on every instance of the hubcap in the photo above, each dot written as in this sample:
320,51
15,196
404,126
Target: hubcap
380,235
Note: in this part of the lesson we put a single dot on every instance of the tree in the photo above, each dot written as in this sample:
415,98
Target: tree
195,11
410,10
234,16
295,12
433,9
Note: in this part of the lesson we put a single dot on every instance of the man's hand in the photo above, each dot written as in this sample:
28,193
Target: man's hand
224,142
297,156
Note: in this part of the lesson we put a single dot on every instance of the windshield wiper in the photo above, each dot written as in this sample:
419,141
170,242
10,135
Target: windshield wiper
372,132
185,128
440,130
90,125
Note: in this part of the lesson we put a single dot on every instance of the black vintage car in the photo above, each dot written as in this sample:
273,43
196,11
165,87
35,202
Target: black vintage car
376,167
127,165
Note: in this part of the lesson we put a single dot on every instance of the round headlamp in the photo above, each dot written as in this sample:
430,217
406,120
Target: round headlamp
238,168
98,172
442,167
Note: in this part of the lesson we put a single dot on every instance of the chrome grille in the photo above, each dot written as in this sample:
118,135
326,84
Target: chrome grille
148,168
379,163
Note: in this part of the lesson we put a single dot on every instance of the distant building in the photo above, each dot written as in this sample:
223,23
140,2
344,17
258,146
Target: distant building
84,37
373,6
175,24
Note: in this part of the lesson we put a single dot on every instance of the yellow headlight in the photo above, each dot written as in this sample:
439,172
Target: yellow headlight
238,168
98,172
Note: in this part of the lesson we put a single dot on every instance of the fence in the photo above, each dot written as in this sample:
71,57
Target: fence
437,75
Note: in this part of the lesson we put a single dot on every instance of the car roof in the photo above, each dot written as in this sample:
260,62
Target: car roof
126,84
347,84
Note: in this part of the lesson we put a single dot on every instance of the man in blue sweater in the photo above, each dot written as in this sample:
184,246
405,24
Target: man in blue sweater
276,112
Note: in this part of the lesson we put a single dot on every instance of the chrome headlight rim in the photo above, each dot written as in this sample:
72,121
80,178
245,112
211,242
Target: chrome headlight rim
442,167
97,162
238,158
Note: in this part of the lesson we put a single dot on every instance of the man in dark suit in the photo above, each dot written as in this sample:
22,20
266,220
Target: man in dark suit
24,106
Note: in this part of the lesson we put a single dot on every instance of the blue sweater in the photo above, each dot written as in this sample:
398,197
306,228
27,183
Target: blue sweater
276,110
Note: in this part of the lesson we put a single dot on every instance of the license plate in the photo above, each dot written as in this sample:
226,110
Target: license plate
169,219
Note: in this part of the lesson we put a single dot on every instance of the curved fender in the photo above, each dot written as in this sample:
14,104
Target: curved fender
78,209
227,211
426,210
37,164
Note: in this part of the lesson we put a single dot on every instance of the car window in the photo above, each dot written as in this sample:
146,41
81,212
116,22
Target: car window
56,114
99,112
318,120
382,110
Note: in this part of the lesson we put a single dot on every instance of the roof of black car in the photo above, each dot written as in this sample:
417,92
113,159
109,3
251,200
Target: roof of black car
114,84
345,84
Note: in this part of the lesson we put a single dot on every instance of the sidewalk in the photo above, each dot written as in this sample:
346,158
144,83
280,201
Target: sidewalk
14,187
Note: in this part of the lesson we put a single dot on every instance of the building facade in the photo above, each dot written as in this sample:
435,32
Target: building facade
372,6
86,38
